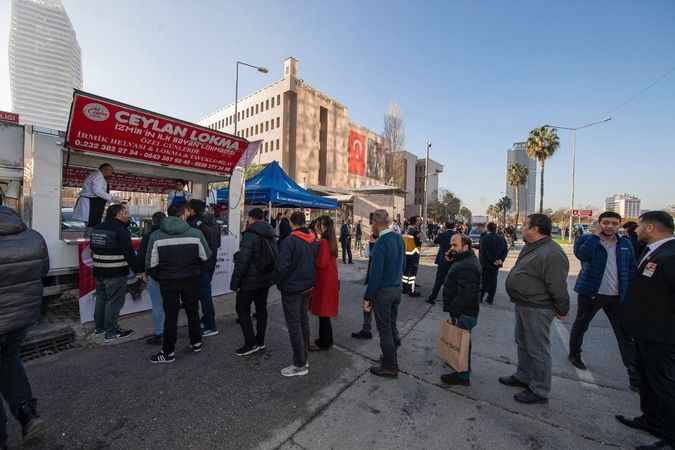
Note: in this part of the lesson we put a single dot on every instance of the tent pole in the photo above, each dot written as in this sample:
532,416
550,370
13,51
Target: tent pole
269,212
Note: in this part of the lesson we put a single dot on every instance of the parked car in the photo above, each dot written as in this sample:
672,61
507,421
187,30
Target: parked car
70,224
474,235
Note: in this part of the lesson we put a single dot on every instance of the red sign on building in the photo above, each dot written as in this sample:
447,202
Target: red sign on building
9,117
357,153
582,212
102,126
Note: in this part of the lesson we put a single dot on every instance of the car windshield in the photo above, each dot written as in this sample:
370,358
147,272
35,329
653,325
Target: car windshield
475,231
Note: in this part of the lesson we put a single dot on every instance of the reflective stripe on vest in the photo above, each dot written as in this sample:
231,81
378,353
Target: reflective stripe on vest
410,247
109,261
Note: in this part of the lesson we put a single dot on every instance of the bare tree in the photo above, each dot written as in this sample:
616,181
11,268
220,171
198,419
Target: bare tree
394,134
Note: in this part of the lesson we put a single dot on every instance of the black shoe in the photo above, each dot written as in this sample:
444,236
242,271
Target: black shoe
662,445
246,350
640,423
321,346
453,379
362,335
490,301
529,398
512,381
197,347
431,301
154,340
162,358
575,359
415,294
384,372
32,427
119,334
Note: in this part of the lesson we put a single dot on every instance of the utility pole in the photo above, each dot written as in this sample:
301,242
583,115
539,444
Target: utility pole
426,187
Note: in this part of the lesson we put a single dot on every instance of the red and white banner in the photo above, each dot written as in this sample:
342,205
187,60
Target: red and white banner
9,117
582,212
102,126
74,177
250,153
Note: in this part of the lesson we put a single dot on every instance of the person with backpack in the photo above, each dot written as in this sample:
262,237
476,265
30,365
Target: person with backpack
326,295
296,281
207,224
255,271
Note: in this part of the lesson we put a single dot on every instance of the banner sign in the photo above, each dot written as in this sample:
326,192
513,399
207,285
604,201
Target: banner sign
9,117
102,126
250,153
74,177
582,212
357,153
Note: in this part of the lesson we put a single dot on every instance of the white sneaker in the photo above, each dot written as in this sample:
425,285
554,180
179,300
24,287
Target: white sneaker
207,333
293,371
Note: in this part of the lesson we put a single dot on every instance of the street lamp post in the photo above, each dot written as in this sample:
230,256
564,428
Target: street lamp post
236,89
426,187
574,158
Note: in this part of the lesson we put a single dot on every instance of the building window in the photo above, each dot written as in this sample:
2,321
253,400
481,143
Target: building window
267,104
265,147
278,122
256,108
279,99
256,128
272,124
278,146
272,103
267,125
262,106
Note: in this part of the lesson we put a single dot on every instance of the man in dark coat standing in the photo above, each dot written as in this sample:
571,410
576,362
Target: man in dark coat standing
443,242
346,243
23,263
493,251
649,317
461,296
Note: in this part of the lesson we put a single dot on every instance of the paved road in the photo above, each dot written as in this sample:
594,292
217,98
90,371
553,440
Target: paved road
112,398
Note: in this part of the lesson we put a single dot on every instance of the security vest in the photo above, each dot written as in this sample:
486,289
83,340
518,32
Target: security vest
410,245
107,252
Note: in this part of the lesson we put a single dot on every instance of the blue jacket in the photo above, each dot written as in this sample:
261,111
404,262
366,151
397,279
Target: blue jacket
386,264
593,257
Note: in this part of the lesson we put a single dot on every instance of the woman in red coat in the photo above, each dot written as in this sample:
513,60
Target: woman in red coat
326,291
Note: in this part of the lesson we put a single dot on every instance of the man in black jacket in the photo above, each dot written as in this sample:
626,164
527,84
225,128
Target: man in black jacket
493,251
255,270
23,263
443,242
649,317
346,243
113,256
296,281
461,293
207,224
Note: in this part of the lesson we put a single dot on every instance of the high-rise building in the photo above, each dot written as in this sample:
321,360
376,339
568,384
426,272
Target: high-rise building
625,205
45,63
527,192
435,169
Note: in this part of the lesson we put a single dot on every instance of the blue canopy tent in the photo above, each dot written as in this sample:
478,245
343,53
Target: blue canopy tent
271,186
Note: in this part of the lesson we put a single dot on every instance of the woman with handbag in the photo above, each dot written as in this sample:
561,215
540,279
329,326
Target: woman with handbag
325,296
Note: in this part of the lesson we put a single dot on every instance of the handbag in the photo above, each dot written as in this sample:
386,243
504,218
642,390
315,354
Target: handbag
453,346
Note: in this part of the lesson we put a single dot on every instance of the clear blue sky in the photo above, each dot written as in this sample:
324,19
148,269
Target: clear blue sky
472,76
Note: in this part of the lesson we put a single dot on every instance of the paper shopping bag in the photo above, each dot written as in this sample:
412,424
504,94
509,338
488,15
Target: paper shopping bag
453,346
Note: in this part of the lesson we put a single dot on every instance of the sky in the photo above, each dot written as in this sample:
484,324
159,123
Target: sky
470,76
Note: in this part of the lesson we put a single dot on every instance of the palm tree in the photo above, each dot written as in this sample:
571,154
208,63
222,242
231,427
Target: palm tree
491,212
542,143
516,176
503,207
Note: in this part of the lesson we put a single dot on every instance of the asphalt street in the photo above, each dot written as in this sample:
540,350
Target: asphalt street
111,397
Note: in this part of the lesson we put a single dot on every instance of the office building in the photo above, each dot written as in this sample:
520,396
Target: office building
435,169
44,62
626,205
308,132
527,191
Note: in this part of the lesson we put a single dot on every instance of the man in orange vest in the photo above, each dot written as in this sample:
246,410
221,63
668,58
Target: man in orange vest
413,247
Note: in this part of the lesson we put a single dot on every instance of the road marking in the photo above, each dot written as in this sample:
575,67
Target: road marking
584,375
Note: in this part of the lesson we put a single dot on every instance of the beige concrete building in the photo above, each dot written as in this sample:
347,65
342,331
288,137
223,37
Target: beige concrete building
308,132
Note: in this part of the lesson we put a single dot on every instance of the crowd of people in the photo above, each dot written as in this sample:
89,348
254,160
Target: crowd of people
176,258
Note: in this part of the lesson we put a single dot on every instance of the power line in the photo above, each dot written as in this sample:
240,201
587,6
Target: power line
665,75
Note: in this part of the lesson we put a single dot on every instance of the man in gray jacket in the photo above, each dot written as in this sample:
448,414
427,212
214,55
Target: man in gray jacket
537,284
23,263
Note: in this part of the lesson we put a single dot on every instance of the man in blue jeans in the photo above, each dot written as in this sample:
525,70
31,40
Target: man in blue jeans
461,295
207,224
23,263
153,285
383,294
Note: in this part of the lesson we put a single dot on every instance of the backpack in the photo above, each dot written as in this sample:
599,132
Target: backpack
212,234
268,254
